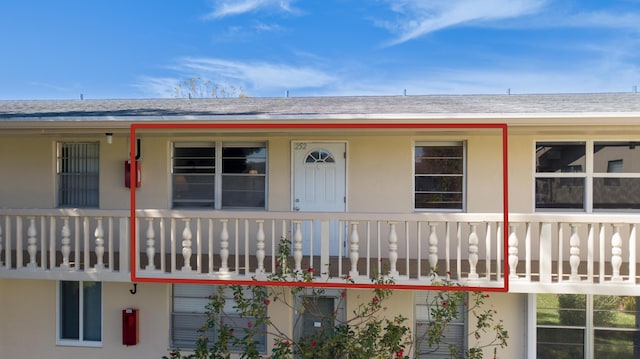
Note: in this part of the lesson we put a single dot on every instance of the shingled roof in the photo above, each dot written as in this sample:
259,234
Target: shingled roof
304,106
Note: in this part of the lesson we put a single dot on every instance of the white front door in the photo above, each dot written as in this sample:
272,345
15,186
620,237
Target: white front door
319,185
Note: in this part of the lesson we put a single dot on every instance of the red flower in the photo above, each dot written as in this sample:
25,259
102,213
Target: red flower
444,304
314,343
267,302
310,270
375,299
400,353
343,294
249,325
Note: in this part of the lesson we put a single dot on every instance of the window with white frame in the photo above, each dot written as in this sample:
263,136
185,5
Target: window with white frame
80,313
439,175
77,169
219,175
587,175
587,326
320,311
188,315
454,333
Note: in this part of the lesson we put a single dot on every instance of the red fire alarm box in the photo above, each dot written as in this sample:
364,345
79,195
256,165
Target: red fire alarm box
127,174
129,326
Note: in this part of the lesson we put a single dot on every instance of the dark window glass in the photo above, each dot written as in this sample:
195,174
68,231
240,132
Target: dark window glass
616,157
560,193
188,308
78,173
69,310
439,176
244,177
251,160
194,176
560,157
80,302
560,343
616,193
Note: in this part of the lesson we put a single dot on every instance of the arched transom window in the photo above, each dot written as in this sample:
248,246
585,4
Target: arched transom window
319,156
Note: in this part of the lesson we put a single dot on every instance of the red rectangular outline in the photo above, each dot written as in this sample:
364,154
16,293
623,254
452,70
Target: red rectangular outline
311,126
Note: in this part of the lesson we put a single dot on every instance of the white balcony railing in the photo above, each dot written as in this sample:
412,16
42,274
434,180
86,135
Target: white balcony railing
546,252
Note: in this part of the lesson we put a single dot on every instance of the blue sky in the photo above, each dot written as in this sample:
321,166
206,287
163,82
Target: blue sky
145,48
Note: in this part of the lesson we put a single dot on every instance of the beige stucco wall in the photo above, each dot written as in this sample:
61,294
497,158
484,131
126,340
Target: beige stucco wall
511,310
27,165
379,170
28,321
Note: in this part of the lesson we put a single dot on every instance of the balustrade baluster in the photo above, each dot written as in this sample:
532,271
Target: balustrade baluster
99,234
354,248
224,247
32,248
632,254
186,246
473,251
574,253
65,248
616,253
297,247
393,250
151,250
1,263
513,252
433,248
260,254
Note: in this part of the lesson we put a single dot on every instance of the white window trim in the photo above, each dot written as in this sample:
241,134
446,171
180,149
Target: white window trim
588,175
79,342
532,326
218,174
464,175
58,171
339,305
421,299
229,306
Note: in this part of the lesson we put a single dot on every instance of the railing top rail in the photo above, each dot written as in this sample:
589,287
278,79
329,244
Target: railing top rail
539,217
64,212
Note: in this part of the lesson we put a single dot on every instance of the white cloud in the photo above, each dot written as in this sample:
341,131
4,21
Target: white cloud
222,8
418,17
603,19
256,78
157,87
445,81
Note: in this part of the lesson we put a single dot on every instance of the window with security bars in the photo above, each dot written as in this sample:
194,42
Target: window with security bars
454,334
188,307
219,175
439,171
77,169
